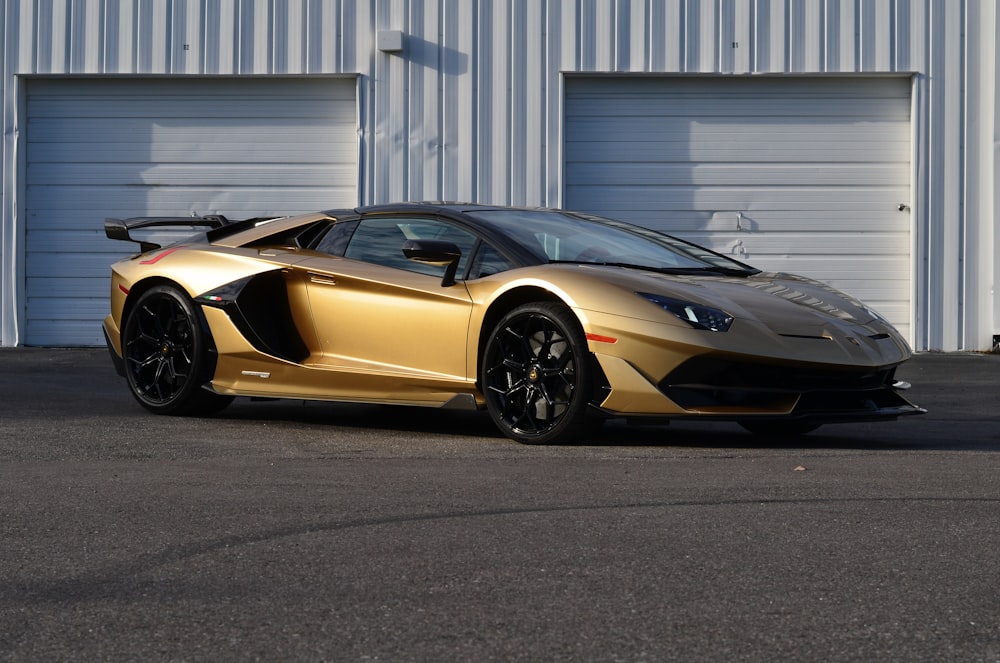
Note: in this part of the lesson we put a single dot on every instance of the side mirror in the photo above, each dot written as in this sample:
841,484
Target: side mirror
434,252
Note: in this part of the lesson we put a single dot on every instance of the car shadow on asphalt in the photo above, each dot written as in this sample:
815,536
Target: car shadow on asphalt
832,437
910,433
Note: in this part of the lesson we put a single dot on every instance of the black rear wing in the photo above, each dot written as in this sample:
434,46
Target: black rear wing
157,231
173,227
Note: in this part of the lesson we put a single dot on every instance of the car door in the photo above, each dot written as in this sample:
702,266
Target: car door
378,312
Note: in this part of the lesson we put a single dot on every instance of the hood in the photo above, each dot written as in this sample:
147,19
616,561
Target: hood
785,304
788,305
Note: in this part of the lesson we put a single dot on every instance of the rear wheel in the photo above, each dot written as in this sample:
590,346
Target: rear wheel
536,374
165,351
779,428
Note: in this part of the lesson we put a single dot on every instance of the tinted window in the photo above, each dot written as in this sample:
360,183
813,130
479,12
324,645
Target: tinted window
487,262
380,241
336,238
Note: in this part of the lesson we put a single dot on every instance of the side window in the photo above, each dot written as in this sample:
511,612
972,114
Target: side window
380,240
487,262
336,238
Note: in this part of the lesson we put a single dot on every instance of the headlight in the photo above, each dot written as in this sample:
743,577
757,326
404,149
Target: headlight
696,315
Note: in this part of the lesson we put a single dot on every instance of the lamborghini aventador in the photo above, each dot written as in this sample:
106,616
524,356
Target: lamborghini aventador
547,319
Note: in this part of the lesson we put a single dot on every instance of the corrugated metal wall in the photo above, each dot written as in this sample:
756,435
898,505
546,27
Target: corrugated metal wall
472,107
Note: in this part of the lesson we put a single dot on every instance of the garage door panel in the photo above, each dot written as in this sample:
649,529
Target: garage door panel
74,219
196,93
756,173
815,245
75,289
796,174
171,201
70,266
791,111
193,152
786,96
68,240
249,199
167,147
306,131
752,150
63,308
61,332
686,129
60,99
870,267
686,221
47,199
192,174
760,199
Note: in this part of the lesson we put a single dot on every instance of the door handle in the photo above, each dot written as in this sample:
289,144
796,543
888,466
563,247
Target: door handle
322,279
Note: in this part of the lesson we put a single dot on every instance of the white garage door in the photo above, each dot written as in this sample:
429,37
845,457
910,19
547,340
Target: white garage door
121,148
803,175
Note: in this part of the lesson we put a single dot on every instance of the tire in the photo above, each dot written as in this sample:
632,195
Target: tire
779,428
536,375
165,348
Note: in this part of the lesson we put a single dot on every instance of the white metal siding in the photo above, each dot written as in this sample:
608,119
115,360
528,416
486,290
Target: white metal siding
157,147
471,108
801,175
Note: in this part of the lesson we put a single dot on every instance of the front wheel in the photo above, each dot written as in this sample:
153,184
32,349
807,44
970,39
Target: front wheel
536,374
166,354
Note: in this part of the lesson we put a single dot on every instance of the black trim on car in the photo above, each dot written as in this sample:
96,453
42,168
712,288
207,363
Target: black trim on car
260,310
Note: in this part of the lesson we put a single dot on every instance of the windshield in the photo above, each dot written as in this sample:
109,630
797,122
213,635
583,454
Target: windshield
555,236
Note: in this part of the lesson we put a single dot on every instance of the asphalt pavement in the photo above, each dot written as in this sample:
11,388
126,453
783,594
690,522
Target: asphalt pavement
314,531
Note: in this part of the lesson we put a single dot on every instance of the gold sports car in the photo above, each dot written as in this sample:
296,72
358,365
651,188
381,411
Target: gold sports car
548,319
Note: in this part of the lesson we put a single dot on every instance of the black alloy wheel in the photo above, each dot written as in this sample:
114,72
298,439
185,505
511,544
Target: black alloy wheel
165,352
536,374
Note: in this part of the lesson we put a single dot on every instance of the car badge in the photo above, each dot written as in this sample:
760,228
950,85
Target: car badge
257,374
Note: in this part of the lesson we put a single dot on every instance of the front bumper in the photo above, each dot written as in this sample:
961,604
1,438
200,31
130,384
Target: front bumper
739,389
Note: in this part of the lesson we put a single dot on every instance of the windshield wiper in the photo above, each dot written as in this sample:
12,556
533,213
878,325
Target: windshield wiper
678,271
715,269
